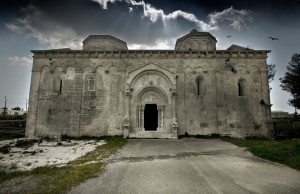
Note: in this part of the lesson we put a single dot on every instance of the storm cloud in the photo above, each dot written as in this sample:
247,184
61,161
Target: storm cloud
144,24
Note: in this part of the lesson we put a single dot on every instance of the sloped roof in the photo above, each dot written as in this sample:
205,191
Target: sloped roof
195,33
235,47
102,37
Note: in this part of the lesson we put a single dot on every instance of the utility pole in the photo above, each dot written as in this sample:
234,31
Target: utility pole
4,113
26,105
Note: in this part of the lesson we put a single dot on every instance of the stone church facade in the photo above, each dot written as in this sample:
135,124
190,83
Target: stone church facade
107,89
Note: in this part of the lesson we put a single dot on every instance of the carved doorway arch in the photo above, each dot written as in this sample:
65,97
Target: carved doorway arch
152,97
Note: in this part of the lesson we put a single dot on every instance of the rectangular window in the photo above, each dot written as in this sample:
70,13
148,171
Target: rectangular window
60,86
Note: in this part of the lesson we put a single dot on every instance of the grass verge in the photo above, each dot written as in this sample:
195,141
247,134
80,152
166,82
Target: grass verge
282,151
60,179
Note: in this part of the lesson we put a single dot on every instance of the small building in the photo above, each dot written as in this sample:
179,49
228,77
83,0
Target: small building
108,89
279,114
12,112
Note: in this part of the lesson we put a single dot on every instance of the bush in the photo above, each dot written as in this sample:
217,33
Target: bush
5,149
13,117
25,143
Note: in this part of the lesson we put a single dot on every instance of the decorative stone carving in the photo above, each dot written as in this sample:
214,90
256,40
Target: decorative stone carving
151,98
173,91
126,121
126,127
128,92
91,86
174,127
144,80
174,123
158,81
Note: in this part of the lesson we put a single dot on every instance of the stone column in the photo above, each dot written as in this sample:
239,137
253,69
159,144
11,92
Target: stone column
126,120
162,116
138,116
142,118
174,95
174,128
158,116
127,102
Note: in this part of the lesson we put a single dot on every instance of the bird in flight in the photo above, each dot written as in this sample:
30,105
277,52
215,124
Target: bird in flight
228,36
273,38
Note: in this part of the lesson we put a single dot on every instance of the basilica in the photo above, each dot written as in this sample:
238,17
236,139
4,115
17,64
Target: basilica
108,89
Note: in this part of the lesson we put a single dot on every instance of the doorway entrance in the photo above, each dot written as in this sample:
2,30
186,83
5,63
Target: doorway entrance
151,117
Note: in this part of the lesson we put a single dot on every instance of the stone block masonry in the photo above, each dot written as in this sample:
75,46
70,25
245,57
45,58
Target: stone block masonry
105,88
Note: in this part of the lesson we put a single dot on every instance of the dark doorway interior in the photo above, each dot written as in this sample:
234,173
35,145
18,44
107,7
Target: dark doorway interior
151,117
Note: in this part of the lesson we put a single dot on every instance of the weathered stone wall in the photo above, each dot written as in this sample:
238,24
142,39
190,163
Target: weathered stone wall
72,109
217,108
105,87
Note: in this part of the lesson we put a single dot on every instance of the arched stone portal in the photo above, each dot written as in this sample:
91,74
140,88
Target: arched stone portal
151,101
151,108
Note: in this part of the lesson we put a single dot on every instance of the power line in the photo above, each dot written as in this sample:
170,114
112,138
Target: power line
13,101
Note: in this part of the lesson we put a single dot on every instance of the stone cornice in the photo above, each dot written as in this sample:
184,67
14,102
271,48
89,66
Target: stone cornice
140,54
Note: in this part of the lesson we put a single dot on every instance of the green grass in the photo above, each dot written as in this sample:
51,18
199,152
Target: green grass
60,179
282,151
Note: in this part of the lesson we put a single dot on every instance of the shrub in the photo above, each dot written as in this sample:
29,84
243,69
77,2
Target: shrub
25,143
5,149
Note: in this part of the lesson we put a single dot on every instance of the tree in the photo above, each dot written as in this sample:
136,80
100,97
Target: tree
271,73
291,80
16,108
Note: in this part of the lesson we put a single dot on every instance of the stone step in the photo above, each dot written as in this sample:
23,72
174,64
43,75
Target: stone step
154,134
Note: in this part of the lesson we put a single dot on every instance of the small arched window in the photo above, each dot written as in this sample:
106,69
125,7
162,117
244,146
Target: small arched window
242,87
91,83
199,86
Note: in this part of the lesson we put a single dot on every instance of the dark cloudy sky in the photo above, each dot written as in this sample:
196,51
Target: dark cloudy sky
150,24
